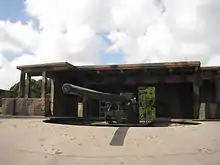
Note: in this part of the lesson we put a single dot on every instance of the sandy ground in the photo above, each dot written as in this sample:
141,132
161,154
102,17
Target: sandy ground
33,142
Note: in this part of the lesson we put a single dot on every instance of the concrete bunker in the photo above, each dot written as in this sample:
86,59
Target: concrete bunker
180,87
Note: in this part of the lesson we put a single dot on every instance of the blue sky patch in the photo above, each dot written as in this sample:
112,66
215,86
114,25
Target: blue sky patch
113,58
13,10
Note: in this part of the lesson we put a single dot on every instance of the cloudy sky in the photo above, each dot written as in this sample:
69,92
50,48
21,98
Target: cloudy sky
106,32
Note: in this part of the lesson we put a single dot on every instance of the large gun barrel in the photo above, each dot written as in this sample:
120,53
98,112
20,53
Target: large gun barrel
80,91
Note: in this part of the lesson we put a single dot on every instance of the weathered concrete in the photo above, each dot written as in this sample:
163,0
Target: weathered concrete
126,78
29,141
25,106
92,108
6,93
212,110
64,105
22,84
28,86
8,106
208,91
44,84
217,88
52,97
174,100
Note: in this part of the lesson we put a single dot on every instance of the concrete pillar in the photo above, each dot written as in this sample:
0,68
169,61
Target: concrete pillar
52,97
64,105
217,88
92,108
28,86
217,96
22,84
163,107
44,84
85,107
136,108
196,100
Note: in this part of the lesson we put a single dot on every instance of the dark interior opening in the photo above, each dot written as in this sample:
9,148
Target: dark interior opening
174,100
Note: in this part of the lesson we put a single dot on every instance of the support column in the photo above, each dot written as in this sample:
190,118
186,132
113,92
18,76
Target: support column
92,108
22,84
217,89
28,86
85,107
137,112
64,105
52,97
196,100
133,111
44,85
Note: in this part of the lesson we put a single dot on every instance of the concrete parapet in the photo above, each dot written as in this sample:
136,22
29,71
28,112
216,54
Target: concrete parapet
26,106
6,94
8,106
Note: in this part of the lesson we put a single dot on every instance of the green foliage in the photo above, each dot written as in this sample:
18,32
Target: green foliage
35,88
147,102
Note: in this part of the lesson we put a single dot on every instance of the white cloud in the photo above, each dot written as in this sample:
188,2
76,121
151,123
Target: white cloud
144,31
3,61
186,30
7,72
15,37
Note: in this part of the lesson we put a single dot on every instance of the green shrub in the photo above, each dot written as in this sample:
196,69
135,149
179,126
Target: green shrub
147,102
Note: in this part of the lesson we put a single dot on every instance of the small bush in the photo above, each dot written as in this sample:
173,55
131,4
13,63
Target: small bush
147,102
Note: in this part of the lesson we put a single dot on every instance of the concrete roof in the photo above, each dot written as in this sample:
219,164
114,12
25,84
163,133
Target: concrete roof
46,67
143,66
68,66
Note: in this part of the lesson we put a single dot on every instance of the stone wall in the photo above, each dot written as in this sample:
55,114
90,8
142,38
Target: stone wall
6,94
26,106
8,106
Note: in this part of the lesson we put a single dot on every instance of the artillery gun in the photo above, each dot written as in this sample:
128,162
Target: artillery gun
125,112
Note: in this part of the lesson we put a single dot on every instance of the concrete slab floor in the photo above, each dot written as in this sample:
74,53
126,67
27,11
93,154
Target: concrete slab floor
31,141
